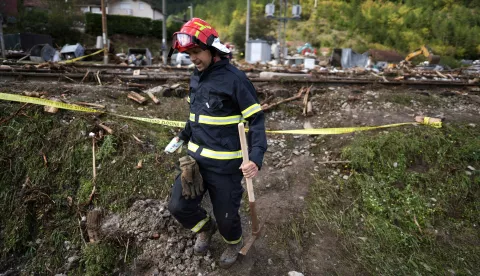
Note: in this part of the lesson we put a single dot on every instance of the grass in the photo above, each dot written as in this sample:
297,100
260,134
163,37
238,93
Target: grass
410,207
47,159
406,99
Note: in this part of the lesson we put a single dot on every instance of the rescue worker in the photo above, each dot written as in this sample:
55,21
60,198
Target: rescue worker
220,97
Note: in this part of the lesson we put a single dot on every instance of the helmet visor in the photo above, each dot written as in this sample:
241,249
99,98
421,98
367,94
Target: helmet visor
181,40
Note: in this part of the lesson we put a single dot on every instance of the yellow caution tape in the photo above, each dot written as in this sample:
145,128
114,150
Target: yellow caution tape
317,131
154,120
33,100
426,121
82,57
339,130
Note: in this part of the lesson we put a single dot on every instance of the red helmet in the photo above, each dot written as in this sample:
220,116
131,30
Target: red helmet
197,32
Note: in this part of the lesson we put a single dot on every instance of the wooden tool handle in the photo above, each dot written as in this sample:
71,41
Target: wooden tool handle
251,195
243,143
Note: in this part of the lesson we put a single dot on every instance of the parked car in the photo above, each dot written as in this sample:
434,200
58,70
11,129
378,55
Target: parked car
180,58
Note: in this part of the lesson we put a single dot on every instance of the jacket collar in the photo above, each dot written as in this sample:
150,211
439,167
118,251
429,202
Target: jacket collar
221,63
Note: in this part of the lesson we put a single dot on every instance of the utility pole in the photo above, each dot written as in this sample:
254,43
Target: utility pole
284,40
2,43
164,32
191,10
104,34
247,32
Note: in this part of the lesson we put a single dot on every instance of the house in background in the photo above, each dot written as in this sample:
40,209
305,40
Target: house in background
8,8
135,8
92,6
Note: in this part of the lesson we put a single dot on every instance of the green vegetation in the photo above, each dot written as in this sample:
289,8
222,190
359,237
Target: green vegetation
46,181
123,24
410,206
448,27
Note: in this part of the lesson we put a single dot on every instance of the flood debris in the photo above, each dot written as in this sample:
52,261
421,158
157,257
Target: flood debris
106,128
51,109
296,97
136,97
139,164
154,99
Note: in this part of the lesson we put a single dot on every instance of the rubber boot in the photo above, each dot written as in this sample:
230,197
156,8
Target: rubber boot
204,237
230,255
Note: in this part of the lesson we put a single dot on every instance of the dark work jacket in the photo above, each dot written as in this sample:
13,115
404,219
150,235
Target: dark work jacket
222,91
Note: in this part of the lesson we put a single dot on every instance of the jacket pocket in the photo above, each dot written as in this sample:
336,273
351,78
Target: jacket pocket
215,101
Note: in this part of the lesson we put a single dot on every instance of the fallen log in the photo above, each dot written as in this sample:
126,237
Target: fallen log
139,85
136,97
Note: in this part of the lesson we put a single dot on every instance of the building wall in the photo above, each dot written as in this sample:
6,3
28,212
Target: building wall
134,8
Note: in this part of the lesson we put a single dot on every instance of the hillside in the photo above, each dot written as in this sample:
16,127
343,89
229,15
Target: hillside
450,28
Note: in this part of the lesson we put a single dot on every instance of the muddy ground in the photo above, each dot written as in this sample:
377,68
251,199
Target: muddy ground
292,162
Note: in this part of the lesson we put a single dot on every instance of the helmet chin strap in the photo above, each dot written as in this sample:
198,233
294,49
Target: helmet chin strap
215,57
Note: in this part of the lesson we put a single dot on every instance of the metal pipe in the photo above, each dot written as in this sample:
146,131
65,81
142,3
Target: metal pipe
247,32
104,34
2,43
164,32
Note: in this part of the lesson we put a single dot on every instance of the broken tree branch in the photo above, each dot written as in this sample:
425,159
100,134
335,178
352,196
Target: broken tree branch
13,115
90,198
84,77
306,102
98,78
296,97
107,129
69,78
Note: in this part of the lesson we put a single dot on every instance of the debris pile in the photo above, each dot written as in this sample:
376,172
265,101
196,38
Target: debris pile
167,247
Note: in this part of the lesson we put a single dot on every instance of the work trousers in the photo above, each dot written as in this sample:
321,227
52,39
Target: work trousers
225,192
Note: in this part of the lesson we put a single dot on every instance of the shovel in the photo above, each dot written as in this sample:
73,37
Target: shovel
251,196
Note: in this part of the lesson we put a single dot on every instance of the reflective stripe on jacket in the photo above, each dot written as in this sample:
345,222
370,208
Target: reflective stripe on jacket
220,98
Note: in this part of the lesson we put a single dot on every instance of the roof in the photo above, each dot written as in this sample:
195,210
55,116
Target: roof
34,3
89,2
98,3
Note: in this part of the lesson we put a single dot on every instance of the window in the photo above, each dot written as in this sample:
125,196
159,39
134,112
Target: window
141,6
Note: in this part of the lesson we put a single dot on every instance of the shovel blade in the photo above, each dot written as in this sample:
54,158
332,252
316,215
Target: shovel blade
247,245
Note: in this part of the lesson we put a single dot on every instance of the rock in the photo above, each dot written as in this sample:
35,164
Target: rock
471,168
294,273
270,262
73,259
345,177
